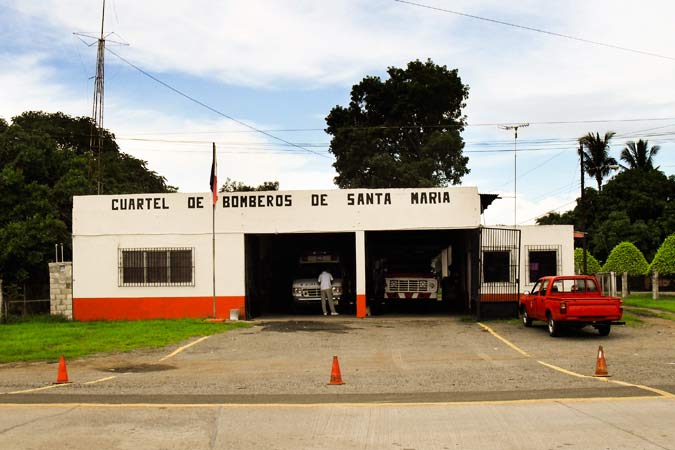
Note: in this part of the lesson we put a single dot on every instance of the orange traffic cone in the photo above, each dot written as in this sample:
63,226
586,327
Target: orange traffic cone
601,366
62,376
335,377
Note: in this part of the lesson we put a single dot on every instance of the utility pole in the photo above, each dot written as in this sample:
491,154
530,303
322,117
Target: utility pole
582,210
515,166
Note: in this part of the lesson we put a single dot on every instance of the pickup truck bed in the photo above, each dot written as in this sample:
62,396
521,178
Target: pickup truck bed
570,301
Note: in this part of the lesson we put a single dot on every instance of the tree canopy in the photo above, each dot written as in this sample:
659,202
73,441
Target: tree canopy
592,264
636,205
664,261
626,257
639,155
44,162
401,132
237,186
597,161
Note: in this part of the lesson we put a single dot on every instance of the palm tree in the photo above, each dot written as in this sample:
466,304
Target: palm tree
597,161
639,156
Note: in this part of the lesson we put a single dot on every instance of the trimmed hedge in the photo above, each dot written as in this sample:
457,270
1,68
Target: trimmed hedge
592,264
664,260
626,257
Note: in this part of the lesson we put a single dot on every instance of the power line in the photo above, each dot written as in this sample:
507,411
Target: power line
210,108
389,127
539,30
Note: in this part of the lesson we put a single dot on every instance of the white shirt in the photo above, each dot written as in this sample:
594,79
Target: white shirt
325,279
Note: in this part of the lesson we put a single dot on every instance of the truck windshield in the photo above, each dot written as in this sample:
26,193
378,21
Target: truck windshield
313,270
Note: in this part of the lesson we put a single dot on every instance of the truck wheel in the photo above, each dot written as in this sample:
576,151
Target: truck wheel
553,327
604,329
526,318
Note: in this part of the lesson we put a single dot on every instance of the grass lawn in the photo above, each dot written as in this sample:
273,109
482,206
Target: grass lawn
46,338
643,305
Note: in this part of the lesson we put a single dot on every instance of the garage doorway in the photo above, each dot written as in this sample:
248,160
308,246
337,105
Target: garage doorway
420,272
275,261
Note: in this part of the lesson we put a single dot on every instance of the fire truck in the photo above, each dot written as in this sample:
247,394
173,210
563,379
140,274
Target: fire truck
305,289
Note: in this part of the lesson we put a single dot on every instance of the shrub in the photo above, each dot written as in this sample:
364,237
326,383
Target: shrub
664,260
592,264
626,257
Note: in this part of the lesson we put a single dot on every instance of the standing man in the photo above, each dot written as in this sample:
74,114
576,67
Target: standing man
326,285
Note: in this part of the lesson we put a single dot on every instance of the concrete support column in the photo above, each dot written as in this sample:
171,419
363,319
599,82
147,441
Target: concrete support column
2,303
360,274
624,285
655,285
61,289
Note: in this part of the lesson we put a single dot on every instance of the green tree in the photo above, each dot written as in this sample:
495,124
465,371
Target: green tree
238,186
401,132
639,155
626,257
664,261
44,162
592,264
555,218
596,156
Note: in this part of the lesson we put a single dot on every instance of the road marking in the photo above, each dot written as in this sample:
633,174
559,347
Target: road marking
44,388
660,392
100,380
180,349
513,346
329,405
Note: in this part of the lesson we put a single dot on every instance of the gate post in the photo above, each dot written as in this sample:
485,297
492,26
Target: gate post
2,303
61,289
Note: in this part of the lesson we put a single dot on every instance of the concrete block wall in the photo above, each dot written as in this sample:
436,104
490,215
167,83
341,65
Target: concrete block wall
61,289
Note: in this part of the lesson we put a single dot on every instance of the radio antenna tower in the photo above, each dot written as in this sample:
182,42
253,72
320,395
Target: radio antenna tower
96,138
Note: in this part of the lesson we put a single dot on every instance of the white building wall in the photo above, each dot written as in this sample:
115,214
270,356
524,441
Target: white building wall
542,237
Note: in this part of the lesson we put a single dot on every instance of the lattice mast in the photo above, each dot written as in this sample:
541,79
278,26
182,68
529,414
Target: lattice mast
96,139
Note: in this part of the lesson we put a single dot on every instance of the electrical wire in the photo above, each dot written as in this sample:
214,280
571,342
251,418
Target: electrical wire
210,108
538,30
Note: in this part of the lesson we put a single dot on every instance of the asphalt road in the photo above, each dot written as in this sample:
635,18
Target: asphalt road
425,382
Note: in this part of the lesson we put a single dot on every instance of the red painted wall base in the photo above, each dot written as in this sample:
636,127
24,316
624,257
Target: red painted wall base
138,308
361,305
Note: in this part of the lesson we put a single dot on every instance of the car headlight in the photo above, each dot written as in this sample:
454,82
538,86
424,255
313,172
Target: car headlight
432,285
297,291
337,290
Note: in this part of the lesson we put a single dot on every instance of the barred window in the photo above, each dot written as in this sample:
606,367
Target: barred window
496,266
156,267
542,261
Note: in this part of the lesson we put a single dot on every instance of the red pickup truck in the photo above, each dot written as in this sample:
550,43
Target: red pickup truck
570,301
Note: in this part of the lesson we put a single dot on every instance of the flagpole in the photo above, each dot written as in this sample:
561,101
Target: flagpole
214,194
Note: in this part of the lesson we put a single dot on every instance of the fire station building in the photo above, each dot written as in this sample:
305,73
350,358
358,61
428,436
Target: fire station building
176,255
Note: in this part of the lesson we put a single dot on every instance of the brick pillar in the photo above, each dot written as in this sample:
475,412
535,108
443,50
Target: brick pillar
61,289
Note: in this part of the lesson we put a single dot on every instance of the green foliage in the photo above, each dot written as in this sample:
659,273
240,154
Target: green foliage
592,264
554,218
639,155
44,162
403,132
626,257
664,261
238,186
46,339
596,156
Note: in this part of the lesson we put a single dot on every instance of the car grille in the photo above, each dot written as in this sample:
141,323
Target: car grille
311,292
408,285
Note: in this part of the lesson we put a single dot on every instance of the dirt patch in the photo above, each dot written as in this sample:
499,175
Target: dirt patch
293,326
140,368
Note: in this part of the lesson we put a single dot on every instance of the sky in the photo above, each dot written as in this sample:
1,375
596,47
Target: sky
281,65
